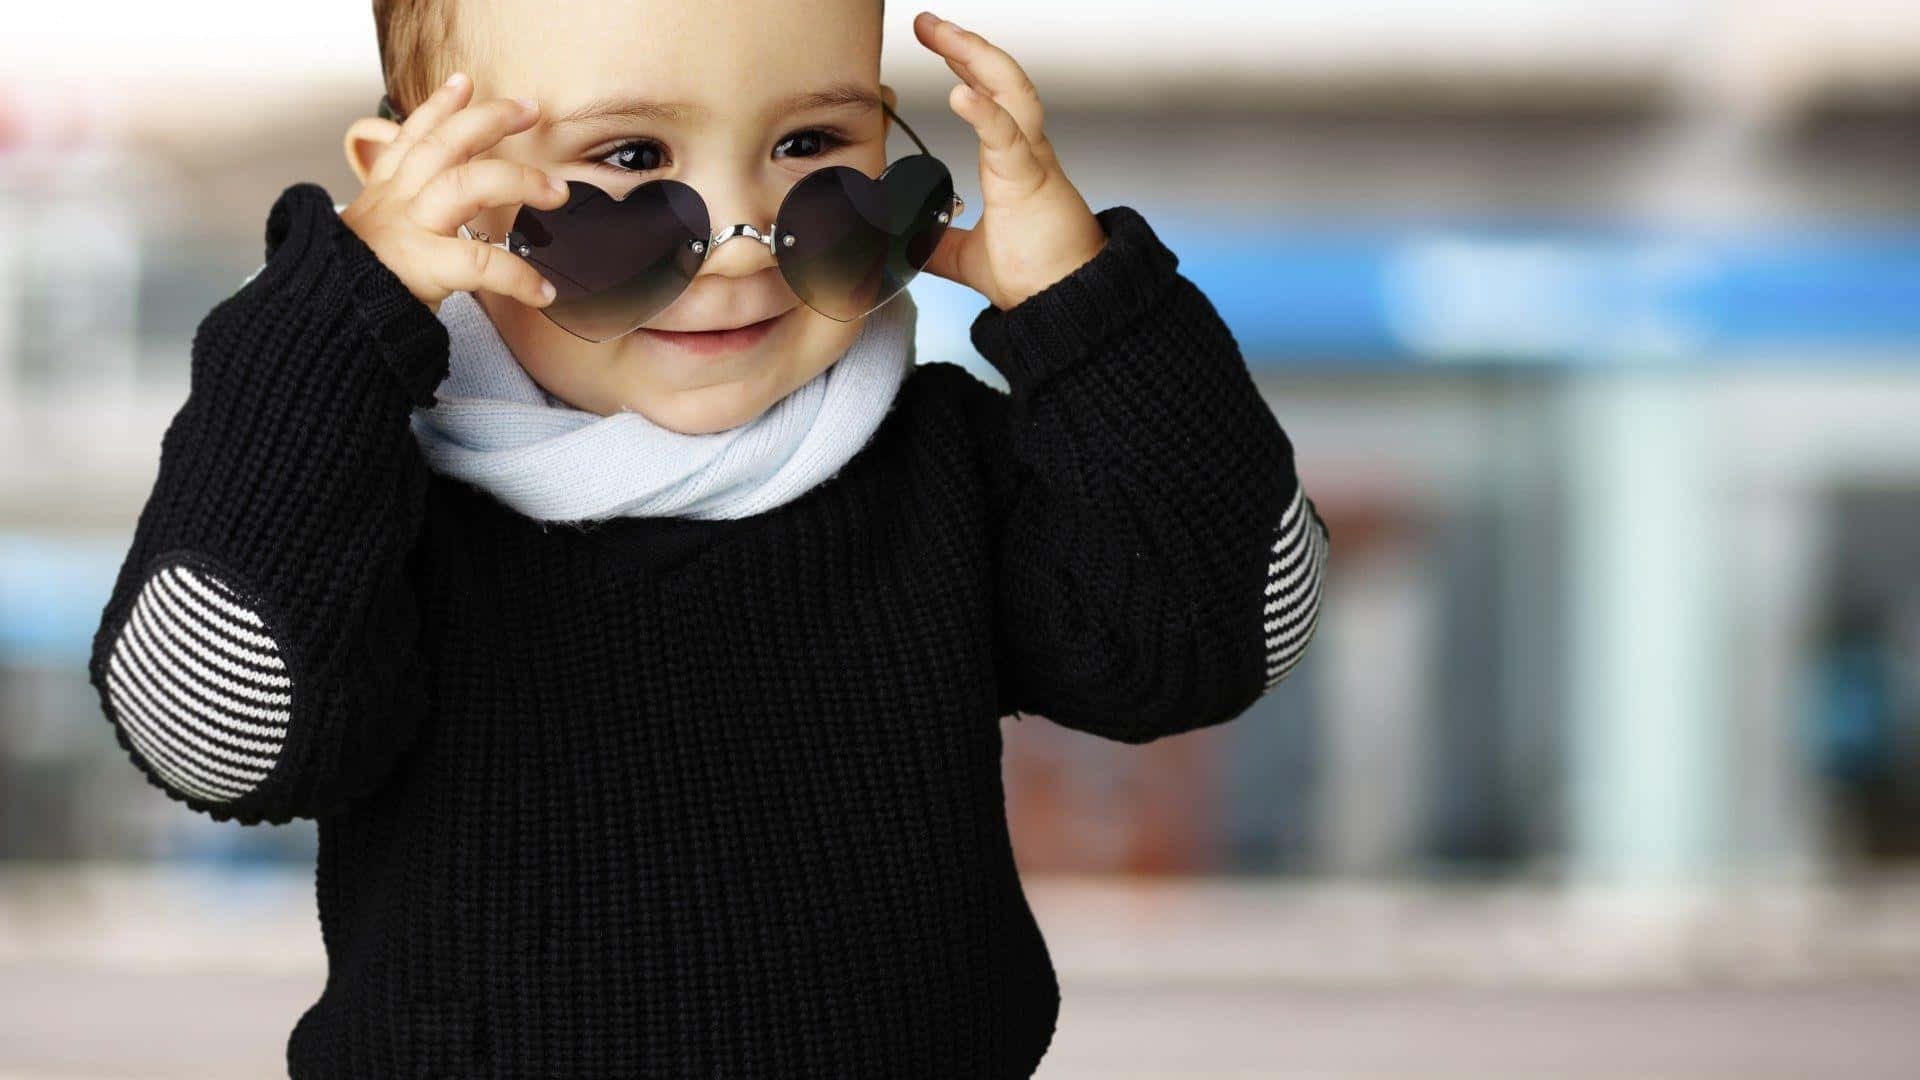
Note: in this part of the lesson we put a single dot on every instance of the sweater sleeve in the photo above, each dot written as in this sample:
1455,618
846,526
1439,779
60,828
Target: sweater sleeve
258,656
1159,564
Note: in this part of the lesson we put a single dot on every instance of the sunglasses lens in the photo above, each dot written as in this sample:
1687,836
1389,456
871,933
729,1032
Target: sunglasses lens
848,243
615,264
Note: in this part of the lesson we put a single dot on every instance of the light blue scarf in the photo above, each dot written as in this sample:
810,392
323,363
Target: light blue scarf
496,428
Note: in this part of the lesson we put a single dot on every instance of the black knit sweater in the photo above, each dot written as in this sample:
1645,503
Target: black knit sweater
668,797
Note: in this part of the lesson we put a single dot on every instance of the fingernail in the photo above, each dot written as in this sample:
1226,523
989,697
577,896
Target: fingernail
529,104
546,290
557,184
455,79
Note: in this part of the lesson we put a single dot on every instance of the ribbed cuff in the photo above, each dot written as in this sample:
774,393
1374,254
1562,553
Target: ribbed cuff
1058,325
405,332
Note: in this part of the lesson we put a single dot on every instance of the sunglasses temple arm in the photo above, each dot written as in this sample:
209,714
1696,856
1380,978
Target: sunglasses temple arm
959,205
906,128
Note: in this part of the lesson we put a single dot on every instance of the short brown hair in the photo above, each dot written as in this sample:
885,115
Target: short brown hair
418,47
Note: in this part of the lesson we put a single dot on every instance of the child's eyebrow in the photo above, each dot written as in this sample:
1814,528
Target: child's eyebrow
611,110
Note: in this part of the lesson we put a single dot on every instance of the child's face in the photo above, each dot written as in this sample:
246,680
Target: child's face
733,65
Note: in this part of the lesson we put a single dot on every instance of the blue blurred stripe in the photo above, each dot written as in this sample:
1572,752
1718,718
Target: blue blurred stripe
1303,295
52,591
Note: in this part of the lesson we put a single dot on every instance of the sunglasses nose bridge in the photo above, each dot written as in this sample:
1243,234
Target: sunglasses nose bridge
743,229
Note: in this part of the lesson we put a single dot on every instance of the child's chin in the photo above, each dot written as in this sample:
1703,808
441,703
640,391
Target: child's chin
704,408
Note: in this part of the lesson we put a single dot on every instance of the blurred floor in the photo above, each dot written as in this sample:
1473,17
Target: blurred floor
72,1024
109,971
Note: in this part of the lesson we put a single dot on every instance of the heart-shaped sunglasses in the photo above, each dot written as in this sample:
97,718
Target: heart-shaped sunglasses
845,242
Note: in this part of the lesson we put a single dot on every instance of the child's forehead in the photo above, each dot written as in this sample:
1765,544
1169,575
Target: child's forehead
741,55
624,107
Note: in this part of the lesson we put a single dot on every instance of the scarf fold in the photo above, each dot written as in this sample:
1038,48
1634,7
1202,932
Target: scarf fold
495,428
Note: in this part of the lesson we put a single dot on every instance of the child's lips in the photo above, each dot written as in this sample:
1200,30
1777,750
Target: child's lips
714,342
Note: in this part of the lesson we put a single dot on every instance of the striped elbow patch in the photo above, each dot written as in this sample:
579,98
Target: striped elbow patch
1295,565
199,685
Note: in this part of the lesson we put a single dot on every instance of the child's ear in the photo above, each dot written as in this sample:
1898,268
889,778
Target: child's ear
366,137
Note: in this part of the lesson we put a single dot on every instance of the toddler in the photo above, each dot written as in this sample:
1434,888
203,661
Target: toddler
647,691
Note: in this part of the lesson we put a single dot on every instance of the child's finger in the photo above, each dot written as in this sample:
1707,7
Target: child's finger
460,193
946,261
1004,149
458,264
467,132
991,71
961,69
439,105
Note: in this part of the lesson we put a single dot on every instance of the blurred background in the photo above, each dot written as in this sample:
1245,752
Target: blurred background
1595,329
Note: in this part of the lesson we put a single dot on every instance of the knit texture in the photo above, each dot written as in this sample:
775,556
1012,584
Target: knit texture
673,797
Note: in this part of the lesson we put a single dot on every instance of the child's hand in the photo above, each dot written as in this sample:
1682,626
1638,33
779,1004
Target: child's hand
1035,227
422,188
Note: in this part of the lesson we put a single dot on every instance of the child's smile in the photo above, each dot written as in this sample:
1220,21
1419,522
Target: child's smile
712,344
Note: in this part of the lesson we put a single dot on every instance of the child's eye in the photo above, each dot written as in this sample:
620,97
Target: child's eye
646,155
820,140
639,155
